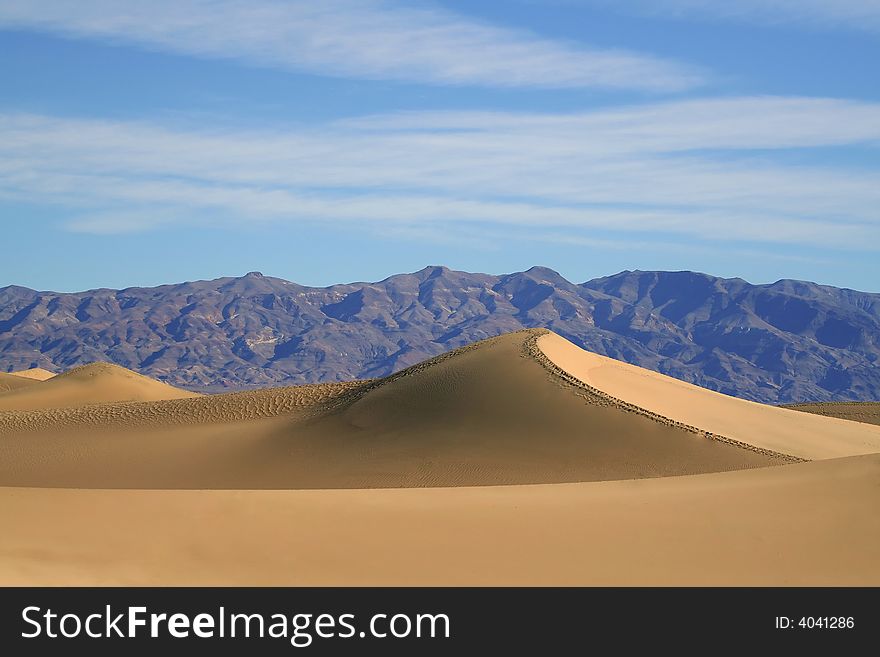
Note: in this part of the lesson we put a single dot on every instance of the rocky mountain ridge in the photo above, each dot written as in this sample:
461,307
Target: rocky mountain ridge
789,341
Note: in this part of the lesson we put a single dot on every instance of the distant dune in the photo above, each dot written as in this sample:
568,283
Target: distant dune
36,373
10,382
90,384
205,410
636,479
867,412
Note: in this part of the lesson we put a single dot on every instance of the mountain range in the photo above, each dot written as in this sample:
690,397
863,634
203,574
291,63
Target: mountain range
789,341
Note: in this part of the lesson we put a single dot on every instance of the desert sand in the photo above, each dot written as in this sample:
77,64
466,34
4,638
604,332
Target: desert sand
804,435
90,384
36,373
804,524
10,382
868,412
517,460
489,415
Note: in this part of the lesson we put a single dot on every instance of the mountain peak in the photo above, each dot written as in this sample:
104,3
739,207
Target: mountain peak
433,271
538,270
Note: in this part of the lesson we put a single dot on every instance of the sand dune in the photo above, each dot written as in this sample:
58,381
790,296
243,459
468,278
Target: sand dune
867,412
804,524
804,435
485,414
291,401
10,382
36,373
90,384
428,467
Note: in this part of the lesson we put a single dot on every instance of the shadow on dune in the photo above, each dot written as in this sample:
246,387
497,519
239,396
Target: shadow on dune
487,414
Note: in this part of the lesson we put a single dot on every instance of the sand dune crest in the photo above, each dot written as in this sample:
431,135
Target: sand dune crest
804,435
35,373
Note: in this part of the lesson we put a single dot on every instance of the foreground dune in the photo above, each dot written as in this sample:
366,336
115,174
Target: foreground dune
90,384
805,435
490,413
35,373
803,524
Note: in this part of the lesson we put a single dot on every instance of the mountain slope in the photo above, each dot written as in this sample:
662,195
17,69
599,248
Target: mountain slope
787,342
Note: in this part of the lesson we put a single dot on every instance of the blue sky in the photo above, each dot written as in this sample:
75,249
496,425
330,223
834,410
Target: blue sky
342,140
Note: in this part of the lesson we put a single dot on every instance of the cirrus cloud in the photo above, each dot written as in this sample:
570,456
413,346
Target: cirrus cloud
706,169
371,39
814,14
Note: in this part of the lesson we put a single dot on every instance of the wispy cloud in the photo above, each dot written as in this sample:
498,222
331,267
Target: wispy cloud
373,39
853,14
756,122
709,170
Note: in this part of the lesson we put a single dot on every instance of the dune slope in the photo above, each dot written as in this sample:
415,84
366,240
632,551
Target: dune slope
121,417
803,524
11,382
803,435
485,414
90,384
35,373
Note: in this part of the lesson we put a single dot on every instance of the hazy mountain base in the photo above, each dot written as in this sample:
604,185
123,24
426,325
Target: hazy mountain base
787,342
